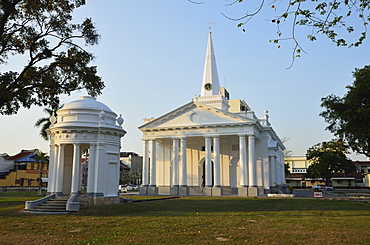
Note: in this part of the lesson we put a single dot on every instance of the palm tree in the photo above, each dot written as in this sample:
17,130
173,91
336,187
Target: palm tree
45,123
41,158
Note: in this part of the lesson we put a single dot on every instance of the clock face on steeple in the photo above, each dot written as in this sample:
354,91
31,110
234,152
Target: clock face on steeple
208,86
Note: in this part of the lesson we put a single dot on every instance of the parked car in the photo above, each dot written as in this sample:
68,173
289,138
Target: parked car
322,188
132,188
122,189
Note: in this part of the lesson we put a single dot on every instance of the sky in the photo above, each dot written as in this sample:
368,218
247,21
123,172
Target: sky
151,56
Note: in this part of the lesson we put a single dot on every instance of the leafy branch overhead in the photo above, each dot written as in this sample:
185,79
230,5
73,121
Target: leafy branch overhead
338,20
42,35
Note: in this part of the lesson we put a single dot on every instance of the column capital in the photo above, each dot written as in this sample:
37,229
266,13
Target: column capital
242,135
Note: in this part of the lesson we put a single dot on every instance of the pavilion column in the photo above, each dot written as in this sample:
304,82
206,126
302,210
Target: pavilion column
153,163
252,161
59,171
183,175
145,174
175,162
208,162
100,169
52,168
91,169
216,158
75,169
243,161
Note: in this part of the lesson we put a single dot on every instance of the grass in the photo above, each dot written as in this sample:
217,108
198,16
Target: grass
192,220
21,193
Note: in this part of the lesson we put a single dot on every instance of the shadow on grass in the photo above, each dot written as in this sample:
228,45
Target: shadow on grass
211,205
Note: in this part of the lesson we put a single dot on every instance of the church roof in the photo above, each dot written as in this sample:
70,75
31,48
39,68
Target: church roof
197,115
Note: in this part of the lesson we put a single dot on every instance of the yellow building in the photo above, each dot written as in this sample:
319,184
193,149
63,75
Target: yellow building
25,171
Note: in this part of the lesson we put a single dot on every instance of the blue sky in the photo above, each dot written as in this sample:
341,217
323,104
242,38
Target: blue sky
151,58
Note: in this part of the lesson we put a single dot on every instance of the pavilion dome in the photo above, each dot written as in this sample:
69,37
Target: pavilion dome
86,102
86,112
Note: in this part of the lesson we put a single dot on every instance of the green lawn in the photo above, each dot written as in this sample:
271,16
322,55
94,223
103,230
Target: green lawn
193,220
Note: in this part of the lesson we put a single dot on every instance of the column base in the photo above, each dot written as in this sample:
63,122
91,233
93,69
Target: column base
243,191
183,191
207,191
216,191
252,191
174,191
152,191
143,191
261,190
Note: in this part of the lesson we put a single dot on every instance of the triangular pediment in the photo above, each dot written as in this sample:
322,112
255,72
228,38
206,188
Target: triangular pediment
196,115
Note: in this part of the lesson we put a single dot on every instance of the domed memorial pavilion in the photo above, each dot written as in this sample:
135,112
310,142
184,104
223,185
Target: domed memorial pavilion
84,125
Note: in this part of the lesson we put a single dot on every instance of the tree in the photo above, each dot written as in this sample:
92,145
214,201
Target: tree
327,158
338,20
41,158
349,117
40,32
287,155
45,123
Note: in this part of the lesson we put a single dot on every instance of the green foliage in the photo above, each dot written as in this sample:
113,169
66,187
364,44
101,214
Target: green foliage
343,22
56,64
45,123
129,177
349,117
286,168
327,158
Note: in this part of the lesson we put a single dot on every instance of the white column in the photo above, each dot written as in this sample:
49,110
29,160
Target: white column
75,169
216,157
153,163
100,169
175,162
252,161
273,170
52,162
183,175
91,169
243,161
59,171
145,179
208,162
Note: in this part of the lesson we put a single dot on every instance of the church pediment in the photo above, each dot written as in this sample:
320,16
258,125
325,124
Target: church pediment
196,115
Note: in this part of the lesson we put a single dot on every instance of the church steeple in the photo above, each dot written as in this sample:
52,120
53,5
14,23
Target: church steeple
210,82
210,93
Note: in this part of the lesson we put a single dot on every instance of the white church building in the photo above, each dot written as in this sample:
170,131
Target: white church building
211,146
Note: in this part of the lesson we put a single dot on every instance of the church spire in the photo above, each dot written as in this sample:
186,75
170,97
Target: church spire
210,83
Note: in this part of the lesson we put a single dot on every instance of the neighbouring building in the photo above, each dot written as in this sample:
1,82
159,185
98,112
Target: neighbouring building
298,168
131,166
22,170
211,146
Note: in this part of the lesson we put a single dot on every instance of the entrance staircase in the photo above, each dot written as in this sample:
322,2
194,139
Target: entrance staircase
56,204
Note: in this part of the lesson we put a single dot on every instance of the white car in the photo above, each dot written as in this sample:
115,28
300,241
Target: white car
122,189
322,188
132,188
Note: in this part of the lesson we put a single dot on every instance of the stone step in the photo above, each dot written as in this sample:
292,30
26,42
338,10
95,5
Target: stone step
51,207
49,210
